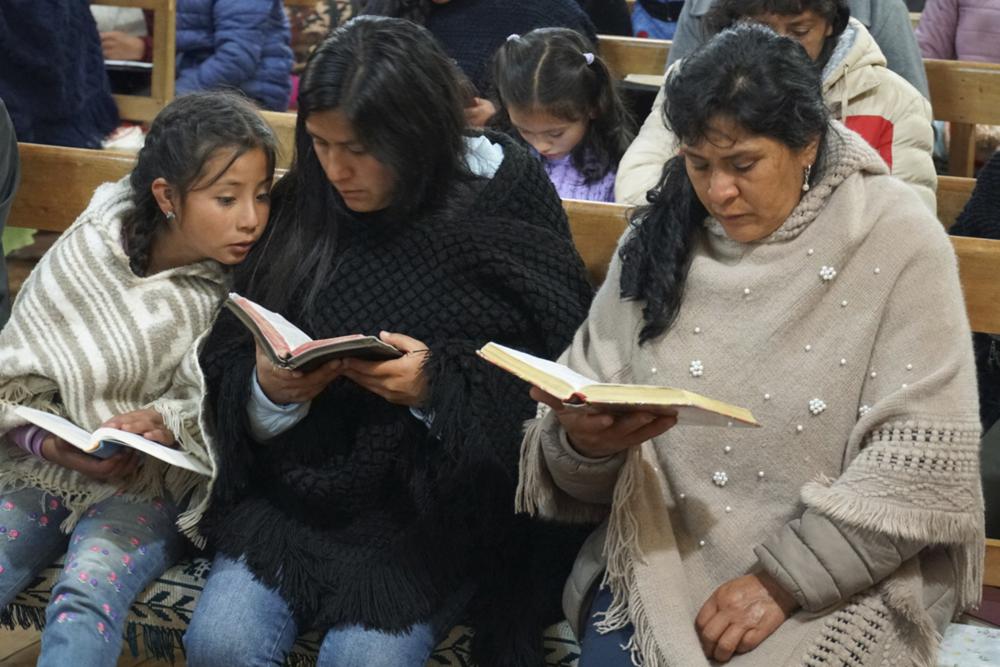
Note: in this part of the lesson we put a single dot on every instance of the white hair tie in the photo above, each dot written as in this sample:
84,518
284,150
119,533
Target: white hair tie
512,36
589,57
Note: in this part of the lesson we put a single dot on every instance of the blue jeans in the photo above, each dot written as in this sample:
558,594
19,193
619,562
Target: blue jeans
240,622
115,550
597,650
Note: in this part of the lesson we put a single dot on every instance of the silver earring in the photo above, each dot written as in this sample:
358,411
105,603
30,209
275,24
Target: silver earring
805,178
170,216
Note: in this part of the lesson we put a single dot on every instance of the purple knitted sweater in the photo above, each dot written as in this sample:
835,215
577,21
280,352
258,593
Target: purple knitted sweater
570,183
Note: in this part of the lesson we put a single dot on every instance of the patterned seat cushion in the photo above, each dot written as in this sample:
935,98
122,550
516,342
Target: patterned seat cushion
163,611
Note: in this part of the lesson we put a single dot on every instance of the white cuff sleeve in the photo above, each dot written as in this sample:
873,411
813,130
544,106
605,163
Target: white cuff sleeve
269,419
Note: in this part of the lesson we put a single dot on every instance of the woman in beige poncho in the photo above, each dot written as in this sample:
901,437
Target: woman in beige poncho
781,268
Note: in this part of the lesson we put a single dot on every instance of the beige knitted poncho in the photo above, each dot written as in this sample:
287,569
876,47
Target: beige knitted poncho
88,339
845,333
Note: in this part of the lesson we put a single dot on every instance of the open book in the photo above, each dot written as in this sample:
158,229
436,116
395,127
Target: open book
289,347
578,390
104,442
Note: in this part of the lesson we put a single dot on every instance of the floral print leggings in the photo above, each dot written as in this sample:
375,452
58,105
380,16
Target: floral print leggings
116,549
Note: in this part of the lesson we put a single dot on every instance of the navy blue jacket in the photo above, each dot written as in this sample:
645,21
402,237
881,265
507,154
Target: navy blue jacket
472,30
237,44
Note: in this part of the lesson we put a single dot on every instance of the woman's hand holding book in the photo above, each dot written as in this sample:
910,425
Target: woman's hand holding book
401,381
284,386
599,434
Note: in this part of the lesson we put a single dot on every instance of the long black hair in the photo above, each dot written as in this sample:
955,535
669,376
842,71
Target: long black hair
547,70
765,84
183,137
403,98
726,13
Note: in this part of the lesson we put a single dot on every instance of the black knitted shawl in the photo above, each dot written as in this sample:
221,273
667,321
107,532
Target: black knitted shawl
360,513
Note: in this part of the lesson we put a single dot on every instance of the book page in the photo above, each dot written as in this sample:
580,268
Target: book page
170,455
57,426
564,373
293,336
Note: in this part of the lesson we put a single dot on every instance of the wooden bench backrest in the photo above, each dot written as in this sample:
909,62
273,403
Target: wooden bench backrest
964,94
991,573
633,55
283,124
57,183
597,227
952,194
145,107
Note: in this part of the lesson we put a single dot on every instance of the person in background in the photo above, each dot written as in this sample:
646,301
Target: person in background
888,21
560,99
472,30
56,90
10,174
869,98
234,44
960,30
656,19
610,17
778,267
981,219
963,30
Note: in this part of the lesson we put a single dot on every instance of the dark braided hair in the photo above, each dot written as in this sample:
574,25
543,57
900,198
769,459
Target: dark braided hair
545,70
184,136
765,84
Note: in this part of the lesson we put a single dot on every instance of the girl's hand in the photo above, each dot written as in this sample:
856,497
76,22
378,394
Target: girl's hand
400,381
120,465
741,614
147,423
599,434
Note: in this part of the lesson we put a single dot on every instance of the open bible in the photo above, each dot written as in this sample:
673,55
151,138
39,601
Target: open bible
289,347
104,442
576,390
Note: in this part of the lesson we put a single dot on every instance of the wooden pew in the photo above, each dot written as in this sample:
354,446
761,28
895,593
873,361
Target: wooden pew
283,124
991,571
596,228
964,94
634,55
57,183
145,107
952,194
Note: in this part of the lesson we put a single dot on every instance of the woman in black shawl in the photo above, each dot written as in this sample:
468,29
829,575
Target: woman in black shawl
373,501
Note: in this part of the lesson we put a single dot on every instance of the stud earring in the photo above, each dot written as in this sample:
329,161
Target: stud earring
805,178
169,215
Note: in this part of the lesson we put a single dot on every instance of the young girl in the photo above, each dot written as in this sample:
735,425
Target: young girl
560,98
103,332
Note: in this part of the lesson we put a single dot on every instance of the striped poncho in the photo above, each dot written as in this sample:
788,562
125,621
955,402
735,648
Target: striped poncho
88,339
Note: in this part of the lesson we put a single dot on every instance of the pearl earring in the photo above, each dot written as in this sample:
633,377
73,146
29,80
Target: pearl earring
805,178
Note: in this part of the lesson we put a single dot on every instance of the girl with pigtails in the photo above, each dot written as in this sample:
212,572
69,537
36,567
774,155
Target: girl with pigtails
559,97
